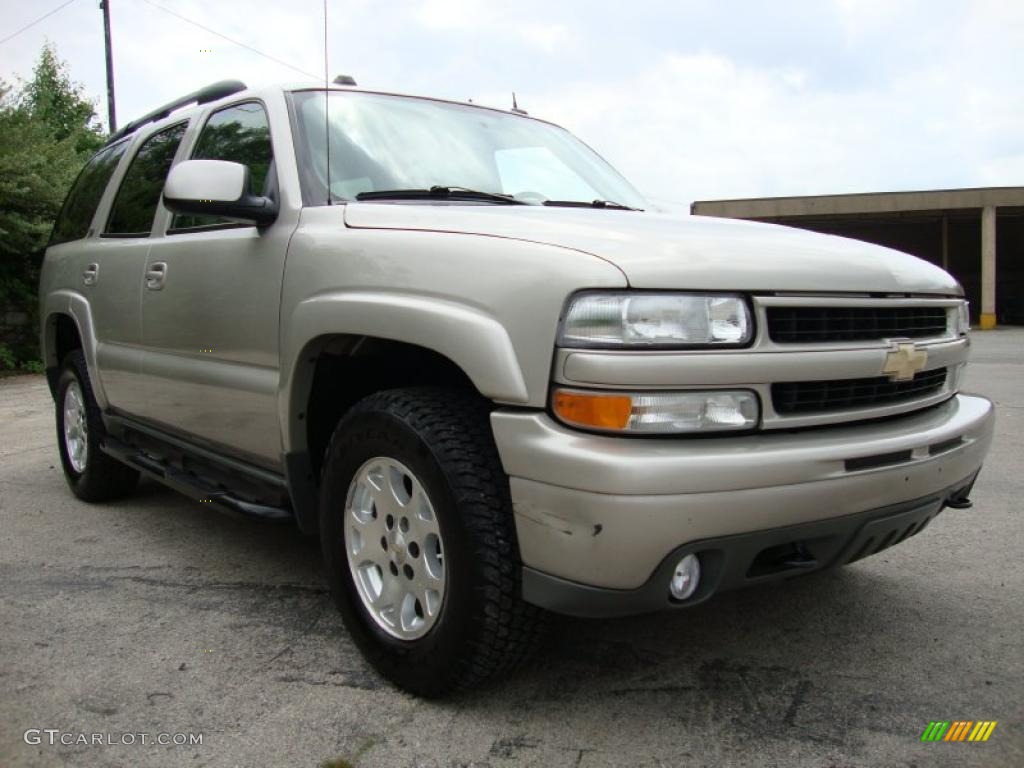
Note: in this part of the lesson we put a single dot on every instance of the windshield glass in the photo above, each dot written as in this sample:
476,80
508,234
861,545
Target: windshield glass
380,142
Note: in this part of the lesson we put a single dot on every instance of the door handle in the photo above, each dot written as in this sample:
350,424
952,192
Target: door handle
91,274
155,275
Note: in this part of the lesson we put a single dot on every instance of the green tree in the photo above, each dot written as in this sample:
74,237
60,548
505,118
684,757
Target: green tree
54,99
48,129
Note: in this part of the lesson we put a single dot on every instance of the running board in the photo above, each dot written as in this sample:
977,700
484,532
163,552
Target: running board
190,484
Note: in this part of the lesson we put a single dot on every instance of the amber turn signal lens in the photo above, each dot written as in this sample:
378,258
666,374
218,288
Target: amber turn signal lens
591,410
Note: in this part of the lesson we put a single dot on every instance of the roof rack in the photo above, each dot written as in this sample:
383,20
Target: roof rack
203,96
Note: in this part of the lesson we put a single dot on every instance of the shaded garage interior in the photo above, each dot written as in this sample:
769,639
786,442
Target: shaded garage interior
976,234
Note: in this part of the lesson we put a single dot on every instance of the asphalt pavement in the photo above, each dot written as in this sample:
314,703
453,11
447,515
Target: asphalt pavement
156,616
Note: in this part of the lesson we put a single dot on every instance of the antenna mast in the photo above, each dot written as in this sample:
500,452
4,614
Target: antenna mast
327,105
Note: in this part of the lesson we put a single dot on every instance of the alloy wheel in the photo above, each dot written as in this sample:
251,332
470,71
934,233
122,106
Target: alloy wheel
76,428
395,549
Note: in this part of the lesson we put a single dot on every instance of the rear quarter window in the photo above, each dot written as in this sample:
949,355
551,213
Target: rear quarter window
80,205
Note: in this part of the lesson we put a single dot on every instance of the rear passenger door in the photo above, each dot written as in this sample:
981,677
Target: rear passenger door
120,260
210,306
109,285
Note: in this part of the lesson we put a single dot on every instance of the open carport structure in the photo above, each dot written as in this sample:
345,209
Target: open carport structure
976,234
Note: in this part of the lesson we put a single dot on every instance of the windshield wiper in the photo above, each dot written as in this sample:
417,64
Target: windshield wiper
438,193
590,204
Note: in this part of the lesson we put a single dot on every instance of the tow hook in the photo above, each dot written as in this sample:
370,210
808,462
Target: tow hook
960,500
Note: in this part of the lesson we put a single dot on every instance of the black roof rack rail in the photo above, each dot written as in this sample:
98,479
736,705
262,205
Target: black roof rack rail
203,96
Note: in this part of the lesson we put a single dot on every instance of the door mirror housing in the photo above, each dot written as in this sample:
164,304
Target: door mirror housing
216,188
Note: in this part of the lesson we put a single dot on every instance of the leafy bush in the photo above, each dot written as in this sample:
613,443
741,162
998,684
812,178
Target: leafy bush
7,360
48,129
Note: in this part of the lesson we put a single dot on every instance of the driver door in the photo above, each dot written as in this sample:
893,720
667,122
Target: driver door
210,308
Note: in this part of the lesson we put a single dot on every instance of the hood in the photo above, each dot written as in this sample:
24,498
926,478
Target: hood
679,252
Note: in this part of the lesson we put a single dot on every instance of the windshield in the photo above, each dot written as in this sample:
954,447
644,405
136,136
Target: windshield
380,142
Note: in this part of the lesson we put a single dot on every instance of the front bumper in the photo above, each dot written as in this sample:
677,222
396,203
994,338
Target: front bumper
609,512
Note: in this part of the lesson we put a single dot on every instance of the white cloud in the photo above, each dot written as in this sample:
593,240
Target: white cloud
547,37
482,20
453,14
690,100
863,17
704,126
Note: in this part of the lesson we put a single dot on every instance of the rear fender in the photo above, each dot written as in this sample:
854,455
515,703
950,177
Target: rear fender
75,306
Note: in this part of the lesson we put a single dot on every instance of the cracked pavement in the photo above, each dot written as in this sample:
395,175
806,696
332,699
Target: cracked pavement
155,614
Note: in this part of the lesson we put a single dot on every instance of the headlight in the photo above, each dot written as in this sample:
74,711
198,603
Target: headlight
646,320
658,413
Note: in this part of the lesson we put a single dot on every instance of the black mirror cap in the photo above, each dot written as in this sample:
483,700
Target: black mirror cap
251,209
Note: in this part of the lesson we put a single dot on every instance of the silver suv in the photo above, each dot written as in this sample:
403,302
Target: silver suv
450,341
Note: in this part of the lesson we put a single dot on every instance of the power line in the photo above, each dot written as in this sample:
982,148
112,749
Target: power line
33,23
225,37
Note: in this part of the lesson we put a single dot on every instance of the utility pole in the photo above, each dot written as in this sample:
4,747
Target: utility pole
111,113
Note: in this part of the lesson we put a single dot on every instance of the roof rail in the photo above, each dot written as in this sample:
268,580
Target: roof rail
203,96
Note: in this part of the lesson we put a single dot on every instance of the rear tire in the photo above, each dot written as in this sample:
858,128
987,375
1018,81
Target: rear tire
414,500
91,473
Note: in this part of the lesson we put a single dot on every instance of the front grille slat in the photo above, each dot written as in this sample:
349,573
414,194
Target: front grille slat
803,397
808,325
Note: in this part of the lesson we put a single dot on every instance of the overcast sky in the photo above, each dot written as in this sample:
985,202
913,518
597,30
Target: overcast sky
690,100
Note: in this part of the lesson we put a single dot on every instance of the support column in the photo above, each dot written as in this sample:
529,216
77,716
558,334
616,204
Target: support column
988,267
945,242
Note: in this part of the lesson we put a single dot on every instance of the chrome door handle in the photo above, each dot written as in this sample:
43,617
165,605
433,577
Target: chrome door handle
155,276
91,274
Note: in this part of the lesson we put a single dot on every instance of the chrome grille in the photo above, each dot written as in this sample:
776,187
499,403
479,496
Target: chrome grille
807,397
795,325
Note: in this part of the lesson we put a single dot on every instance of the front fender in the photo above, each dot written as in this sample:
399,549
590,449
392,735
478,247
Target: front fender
490,305
472,339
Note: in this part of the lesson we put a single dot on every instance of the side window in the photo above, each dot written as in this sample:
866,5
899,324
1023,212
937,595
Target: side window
240,134
80,205
143,182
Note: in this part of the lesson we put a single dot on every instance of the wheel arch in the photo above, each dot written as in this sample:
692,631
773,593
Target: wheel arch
67,325
469,338
332,371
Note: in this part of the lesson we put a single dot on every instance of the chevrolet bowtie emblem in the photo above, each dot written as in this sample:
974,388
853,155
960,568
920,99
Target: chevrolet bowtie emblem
904,360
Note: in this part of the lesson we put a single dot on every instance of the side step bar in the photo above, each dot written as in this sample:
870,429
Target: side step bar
189,483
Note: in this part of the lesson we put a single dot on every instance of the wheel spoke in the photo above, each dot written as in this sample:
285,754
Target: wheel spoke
400,485
364,519
430,599
423,511
433,557
388,603
381,495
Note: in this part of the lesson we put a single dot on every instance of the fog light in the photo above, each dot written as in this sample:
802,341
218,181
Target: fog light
685,578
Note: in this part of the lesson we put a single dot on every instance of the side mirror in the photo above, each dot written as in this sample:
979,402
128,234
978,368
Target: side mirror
216,188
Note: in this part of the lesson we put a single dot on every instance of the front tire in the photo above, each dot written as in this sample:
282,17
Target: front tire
419,541
91,474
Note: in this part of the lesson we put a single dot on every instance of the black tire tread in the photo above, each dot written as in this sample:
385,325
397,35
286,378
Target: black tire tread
105,478
456,427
